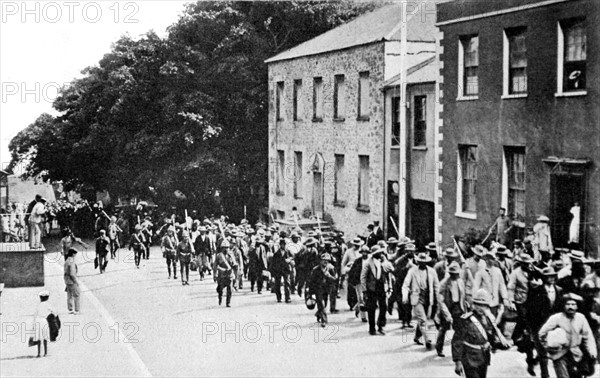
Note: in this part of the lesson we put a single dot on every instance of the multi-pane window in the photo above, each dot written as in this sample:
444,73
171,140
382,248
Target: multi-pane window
279,100
297,174
575,55
395,121
364,101
338,177
515,164
339,97
280,181
420,121
470,79
298,108
468,166
318,98
364,177
517,61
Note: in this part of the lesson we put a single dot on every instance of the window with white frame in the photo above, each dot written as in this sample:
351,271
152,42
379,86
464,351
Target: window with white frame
339,97
515,61
468,66
467,179
298,104
364,180
279,100
364,100
317,99
572,55
298,174
514,181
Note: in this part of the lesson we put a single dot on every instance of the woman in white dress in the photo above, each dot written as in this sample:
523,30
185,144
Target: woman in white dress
574,228
40,323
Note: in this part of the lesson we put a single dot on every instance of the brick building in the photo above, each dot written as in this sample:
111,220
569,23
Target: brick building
327,139
519,88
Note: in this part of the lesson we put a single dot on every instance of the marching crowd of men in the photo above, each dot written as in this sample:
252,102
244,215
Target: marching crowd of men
553,297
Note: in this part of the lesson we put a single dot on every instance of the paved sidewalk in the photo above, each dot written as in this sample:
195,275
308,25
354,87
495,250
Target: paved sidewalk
90,344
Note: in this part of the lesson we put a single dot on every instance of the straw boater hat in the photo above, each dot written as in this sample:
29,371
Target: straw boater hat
405,240
422,257
524,258
364,250
310,241
326,257
374,249
44,293
454,268
501,250
431,247
571,297
549,272
482,297
577,255
392,241
543,218
294,234
478,250
202,229
450,252
410,247
357,241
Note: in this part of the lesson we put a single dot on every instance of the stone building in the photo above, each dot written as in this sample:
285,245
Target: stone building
519,89
327,138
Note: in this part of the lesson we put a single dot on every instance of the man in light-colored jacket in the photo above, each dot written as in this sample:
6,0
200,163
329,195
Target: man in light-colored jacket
421,286
578,334
490,278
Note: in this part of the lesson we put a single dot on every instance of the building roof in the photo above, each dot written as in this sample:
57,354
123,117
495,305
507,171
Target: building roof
382,24
422,69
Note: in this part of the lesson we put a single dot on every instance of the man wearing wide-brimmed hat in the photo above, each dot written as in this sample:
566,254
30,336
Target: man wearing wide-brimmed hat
475,262
168,245
202,248
518,290
475,336
451,303
432,250
420,287
294,247
542,302
567,356
374,281
401,267
354,282
572,282
322,279
257,260
490,278
504,260
350,256
441,267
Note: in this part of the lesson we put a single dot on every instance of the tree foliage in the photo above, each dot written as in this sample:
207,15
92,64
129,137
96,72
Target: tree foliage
187,112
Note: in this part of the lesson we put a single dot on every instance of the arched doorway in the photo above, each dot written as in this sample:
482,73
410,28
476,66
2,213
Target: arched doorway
318,190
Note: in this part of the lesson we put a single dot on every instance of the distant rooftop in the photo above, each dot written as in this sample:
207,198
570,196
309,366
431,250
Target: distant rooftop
382,24
422,69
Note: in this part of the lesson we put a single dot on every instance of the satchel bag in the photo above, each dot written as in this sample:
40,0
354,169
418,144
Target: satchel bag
96,263
586,367
33,343
194,265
